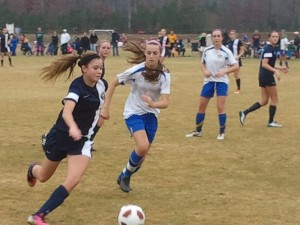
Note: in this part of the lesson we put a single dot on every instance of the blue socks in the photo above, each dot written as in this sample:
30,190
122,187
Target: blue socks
199,121
222,122
133,164
55,200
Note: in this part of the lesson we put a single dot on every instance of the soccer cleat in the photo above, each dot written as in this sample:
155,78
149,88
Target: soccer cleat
36,220
124,183
194,134
274,124
31,180
237,92
221,137
242,117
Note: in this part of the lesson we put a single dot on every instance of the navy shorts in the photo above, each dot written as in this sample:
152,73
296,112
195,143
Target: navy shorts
59,144
266,81
209,89
147,122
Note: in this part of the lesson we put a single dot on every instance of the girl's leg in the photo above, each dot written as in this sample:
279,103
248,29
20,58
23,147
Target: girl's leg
272,92
77,165
137,156
221,100
200,116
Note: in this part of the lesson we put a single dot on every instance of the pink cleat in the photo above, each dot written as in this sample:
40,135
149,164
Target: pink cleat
36,220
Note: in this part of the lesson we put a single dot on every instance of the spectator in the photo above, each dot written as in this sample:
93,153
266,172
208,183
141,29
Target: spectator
297,43
64,40
255,42
115,38
54,43
124,38
283,49
13,44
25,45
39,41
93,41
172,39
85,42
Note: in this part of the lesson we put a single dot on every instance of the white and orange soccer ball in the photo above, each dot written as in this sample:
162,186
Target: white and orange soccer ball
131,215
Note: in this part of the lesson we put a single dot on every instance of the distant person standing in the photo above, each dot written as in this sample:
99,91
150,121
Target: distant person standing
4,46
165,44
115,38
39,36
255,42
284,42
297,43
268,71
64,40
93,41
85,42
54,42
236,46
172,39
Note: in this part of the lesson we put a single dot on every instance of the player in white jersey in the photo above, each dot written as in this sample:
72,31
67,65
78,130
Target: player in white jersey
217,62
165,43
150,89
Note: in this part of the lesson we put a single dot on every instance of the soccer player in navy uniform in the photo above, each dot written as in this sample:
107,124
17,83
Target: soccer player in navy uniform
236,46
217,62
268,71
150,90
4,49
71,135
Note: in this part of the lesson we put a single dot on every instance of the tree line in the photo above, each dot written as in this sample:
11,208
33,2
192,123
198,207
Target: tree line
149,16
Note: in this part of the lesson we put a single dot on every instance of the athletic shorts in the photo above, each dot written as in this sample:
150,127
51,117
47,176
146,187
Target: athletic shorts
209,89
266,80
59,144
4,50
147,122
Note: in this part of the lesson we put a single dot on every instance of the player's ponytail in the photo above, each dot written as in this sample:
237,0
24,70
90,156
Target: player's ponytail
65,65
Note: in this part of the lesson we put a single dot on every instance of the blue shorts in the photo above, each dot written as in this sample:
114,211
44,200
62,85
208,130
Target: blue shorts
59,144
147,122
209,88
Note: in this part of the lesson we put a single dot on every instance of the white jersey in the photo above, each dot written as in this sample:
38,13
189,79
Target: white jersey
284,44
216,60
64,38
139,86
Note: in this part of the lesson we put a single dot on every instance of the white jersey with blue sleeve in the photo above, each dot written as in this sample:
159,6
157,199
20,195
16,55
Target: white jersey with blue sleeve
216,60
139,86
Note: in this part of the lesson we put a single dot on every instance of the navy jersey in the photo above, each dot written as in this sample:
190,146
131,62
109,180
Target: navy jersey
269,52
87,109
235,46
4,39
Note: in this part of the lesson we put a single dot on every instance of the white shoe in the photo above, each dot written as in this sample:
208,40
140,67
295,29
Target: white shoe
221,137
194,134
242,117
274,124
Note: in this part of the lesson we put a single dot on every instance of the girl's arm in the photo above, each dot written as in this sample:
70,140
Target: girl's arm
162,103
108,96
67,115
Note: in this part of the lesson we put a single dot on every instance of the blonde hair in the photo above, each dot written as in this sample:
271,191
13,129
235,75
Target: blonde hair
65,65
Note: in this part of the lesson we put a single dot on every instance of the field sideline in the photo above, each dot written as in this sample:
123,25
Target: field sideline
252,177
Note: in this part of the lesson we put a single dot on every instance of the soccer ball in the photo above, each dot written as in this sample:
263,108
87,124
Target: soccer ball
131,215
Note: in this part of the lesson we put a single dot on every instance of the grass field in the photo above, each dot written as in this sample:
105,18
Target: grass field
250,178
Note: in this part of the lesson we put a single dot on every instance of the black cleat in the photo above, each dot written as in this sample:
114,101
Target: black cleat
124,183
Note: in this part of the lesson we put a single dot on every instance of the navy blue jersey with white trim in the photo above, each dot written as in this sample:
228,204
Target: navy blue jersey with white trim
4,39
87,109
270,53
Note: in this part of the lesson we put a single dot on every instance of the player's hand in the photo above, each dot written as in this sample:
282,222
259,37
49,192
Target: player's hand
277,74
104,113
75,133
207,74
284,69
148,100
